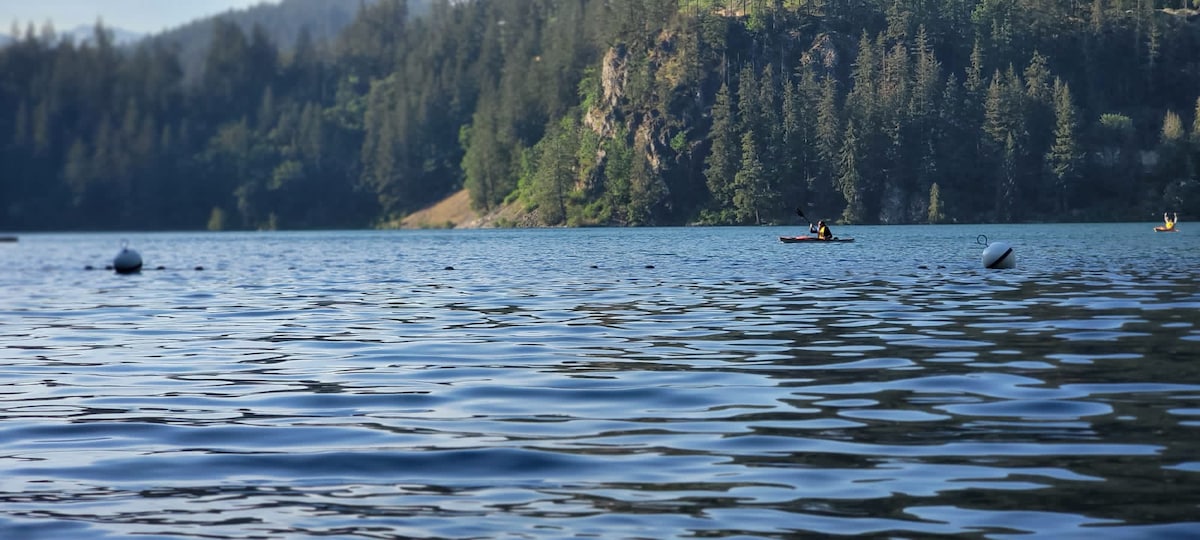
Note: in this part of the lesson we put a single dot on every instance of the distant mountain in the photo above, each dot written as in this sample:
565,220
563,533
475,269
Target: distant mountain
84,33
121,37
282,22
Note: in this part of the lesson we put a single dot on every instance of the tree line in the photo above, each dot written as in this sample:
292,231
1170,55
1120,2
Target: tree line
617,112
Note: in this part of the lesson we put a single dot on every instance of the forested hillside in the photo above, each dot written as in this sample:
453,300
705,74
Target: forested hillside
619,112
285,24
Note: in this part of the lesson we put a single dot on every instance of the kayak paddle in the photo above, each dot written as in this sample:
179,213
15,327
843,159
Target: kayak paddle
800,213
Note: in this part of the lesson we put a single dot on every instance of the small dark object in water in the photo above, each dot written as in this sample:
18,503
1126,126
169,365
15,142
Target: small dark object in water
922,267
595,266
199,268
649,266
160,267
8,239
88,267
127,261
449,268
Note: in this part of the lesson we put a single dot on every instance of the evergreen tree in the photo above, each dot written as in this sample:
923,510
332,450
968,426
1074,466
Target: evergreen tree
799,163
646,192
1006,185
1039,110
388,169
935,214
975,84
751,194
369,46
77,171
829,141
956,150
721,163
1194,140
925,130
618,171
415,99
1064,158
487,161
772,147
1173,163
554,173
1117,161
849,178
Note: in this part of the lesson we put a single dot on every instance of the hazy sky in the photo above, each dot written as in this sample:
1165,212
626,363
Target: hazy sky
145,16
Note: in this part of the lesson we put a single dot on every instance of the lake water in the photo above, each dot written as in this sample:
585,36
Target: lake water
602,383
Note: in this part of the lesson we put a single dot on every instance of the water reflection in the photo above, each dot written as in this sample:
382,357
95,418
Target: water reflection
547,399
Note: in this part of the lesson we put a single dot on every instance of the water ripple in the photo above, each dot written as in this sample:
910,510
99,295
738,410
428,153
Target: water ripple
606,383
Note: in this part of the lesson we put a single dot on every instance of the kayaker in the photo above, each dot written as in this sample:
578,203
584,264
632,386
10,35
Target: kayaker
1168,223
823,231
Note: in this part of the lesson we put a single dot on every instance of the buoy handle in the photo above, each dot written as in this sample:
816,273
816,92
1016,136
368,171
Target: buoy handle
981,240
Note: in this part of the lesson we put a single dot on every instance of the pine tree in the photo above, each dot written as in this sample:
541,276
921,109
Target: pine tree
1173,163
956,145
1194,140
750,109
555,172
863,100
1065,158
1116,160
998,110
723,157
936,214
799,162
750,196
646,191
618,170
827,135
850,181
487,161
974,82
77,171
829,128
925,129
772,147
1006,186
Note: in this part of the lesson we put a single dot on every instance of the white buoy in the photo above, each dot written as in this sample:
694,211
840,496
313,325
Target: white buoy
127,261
999,255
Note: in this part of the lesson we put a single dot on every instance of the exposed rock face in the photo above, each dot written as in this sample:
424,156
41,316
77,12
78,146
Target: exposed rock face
651,138
614,74
615,111
823,53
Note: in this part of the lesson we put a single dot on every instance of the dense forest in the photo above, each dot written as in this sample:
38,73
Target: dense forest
618,112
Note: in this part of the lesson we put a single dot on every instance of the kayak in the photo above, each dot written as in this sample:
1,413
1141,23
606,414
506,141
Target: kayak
811,240
1160,228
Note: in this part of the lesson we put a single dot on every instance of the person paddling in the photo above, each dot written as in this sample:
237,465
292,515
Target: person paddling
1169,223
823,231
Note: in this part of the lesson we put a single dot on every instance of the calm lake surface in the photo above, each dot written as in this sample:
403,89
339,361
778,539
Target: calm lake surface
602,383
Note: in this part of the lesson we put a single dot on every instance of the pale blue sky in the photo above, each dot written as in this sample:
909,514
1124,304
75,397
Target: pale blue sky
143,16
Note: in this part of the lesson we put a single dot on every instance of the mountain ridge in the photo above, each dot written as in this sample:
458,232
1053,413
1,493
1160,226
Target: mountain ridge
283,24
84,34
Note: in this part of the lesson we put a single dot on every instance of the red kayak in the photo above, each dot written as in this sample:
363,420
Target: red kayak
812,240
